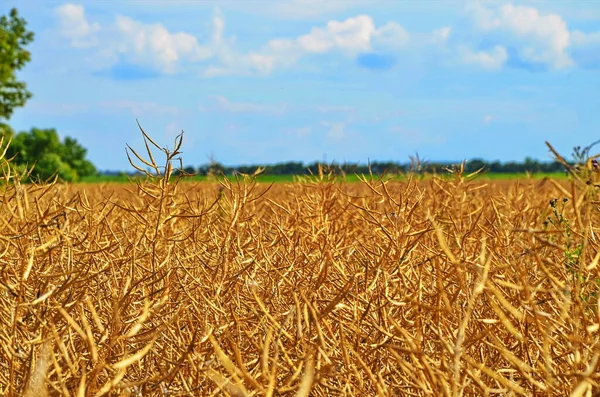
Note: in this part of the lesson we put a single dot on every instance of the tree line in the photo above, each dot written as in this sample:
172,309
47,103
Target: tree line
379,167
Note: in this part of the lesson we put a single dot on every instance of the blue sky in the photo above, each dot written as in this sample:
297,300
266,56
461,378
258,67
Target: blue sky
254,82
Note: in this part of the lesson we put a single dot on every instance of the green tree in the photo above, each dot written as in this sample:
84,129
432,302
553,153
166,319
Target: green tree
14,36
75,155
6,130
474,165
43,148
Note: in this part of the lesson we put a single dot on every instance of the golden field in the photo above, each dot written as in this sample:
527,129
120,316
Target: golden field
436,287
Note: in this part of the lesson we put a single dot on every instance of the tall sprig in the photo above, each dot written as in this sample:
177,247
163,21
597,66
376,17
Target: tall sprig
159,187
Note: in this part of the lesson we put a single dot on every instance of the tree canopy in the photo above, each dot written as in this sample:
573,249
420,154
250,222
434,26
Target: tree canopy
14,36
44,148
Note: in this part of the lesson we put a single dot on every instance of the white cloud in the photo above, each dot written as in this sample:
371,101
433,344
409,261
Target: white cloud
390,36
537,38
336,131
511,34
229,61
262,63
218,28
350,36
353,34
148,45
580,39
74,26
440,36
585,48
155,45
493,59
356,34
488,119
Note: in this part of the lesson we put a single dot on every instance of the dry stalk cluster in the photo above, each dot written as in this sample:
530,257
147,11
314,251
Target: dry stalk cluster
442,287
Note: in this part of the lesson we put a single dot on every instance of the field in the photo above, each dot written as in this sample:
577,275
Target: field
444,286
350,178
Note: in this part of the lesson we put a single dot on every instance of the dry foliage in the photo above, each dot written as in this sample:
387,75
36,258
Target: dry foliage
437,287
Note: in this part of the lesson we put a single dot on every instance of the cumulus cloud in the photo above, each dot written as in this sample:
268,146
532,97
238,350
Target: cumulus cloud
390,36
356,34
530,38
336,130
487,119
349,37
536,38
585,49
155,45
580,39
353,34
130,41
228,61
74,26
495,36
440,36
493,59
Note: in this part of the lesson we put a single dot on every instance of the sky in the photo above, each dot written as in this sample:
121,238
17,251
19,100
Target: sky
267,81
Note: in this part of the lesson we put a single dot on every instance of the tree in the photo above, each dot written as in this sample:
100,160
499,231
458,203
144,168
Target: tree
474,165
43,148
13,38
75,155
6,130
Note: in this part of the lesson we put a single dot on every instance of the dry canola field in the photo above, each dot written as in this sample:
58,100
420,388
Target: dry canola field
441,287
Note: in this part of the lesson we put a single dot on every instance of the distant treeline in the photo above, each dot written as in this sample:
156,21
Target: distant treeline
379,167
